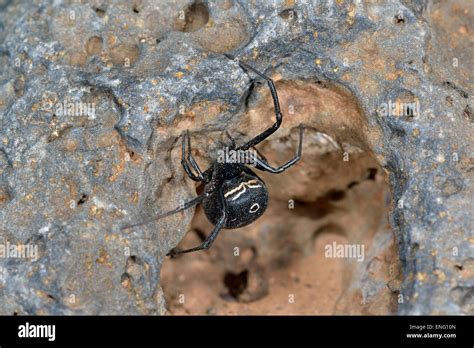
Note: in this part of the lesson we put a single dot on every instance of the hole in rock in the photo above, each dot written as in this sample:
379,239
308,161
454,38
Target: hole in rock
100,12
289,15
371,173
236,283
336,195
193,18
398,19
324,245
83,199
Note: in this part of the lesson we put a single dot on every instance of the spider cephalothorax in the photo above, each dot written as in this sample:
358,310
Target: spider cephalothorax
234,196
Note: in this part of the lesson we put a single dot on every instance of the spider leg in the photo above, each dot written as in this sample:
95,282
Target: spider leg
263,165
259,153
186,155
231,139
212,236
276,104
182,207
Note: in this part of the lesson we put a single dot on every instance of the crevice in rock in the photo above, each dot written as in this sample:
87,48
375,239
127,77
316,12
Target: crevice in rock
337,196
458,89
83,199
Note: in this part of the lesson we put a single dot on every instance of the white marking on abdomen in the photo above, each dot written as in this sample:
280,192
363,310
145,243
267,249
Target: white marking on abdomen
242,188
254,208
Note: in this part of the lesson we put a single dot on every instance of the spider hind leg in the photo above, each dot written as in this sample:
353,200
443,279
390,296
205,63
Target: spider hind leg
212,236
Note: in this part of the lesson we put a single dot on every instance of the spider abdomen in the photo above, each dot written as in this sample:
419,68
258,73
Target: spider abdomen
246,199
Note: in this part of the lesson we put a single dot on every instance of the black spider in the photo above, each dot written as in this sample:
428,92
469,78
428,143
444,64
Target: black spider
234,196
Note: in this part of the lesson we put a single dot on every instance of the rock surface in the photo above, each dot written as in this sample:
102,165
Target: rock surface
94,96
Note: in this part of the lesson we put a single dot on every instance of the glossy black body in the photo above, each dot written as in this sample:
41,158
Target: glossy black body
245,194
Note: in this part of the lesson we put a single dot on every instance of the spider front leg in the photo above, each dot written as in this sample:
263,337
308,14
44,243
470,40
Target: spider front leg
186,156
262,164
276,104
212,236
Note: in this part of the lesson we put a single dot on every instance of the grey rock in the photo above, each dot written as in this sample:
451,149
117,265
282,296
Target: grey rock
69,178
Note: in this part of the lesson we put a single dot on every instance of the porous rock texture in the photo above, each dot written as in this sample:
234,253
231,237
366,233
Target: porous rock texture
147,70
